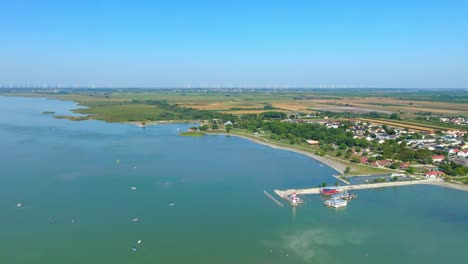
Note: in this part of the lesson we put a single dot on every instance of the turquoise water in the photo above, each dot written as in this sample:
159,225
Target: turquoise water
78,204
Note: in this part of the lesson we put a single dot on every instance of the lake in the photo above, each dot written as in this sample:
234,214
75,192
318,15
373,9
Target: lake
197,200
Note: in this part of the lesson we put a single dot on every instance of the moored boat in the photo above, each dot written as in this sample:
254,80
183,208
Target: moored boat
336,203
329,190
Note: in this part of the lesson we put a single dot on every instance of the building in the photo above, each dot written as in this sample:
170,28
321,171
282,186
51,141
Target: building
438,158
312,142
433,175
463,154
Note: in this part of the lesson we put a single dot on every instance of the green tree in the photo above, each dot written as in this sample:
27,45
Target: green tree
394,116
203,128
347,170
410,170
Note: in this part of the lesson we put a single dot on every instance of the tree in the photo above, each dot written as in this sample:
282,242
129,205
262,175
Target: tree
410,170
394,116
423,155
228,128
347,170
338,154
203,128
214,126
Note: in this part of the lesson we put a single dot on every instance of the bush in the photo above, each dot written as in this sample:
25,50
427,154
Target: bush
203,128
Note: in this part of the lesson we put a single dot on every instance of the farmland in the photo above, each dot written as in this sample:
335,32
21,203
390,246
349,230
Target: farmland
125,105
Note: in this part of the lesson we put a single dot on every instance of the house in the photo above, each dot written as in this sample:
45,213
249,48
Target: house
438,158
405,165
454,151
312,142
433,175
463,154
364,160
228,123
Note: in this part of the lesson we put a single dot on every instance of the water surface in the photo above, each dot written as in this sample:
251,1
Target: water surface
78,204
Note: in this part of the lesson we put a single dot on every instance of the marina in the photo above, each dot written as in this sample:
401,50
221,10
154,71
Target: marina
329,190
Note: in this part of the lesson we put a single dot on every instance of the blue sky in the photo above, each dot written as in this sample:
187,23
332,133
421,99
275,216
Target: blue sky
178,43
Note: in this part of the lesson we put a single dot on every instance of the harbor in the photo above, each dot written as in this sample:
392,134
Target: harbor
338,197
283,193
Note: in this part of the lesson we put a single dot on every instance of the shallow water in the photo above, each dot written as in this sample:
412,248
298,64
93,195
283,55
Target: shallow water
78,204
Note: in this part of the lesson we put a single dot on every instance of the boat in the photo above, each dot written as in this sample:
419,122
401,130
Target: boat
344,195
397,175
329,190
336,203
293,199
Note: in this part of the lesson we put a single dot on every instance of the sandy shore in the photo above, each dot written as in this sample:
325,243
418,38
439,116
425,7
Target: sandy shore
329,162
461,187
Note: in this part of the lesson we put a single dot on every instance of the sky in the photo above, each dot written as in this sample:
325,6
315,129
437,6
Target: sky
221,43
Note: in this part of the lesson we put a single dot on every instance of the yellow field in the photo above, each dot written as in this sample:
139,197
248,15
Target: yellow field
414,127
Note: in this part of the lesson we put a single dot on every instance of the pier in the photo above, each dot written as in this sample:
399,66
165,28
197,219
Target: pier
273,198
284,193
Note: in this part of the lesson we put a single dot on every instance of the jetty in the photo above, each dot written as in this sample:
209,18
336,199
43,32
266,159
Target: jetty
285,193
273,198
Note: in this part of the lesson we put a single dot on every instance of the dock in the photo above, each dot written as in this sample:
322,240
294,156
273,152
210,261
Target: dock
284,193
273,198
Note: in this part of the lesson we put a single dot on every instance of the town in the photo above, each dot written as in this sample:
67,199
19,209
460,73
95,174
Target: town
417,151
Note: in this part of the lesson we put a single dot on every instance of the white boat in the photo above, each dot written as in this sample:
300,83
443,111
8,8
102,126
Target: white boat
171,204
133,188
336,203
19,205
397,175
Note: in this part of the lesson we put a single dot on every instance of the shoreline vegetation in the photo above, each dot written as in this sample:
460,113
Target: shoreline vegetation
192,134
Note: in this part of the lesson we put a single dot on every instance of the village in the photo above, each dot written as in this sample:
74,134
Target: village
435,155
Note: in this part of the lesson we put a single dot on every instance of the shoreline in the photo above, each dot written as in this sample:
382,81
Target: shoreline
330,163
455,186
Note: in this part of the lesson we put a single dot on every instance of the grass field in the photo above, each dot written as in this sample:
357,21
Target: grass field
115,105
